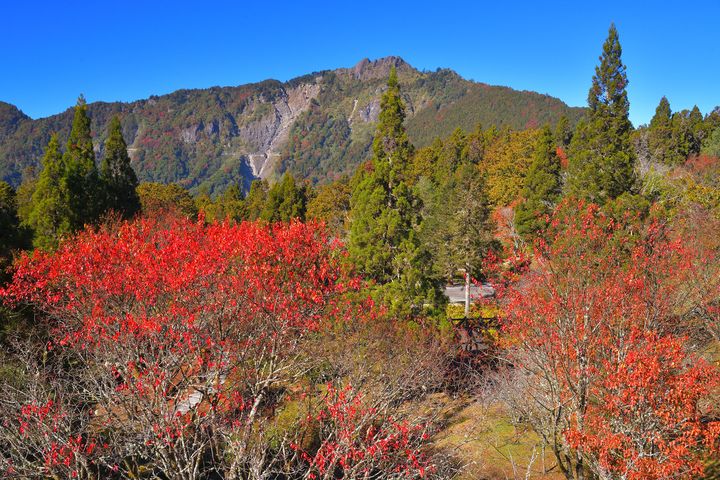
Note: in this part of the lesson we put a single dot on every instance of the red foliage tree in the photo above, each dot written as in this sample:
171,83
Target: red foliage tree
178,337
602,294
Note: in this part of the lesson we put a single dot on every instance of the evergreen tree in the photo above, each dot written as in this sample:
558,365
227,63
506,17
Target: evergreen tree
51,215
24,193
601,157
711,146
453,154
467,229
563,132
384,243
255,200
660,134
285,201
118,177
697,130
10,236
82,176
232,203
542,186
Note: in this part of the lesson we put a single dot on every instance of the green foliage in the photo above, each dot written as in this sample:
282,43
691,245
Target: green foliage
487,105
83,183
51,215
285,201
465,234
11,236
563,132
256,199
384,244
158,199
331,205
318,142
118,178
711,146
24,193
660,134
542,187
602,159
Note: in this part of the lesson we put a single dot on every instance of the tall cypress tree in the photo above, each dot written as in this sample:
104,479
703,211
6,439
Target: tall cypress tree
602,160
383,242
660,133
51,216
82,175
118,178
542,186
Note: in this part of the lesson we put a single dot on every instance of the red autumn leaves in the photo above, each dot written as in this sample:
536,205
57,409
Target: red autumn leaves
599,330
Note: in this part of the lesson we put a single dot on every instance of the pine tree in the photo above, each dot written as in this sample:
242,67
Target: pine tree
285,201
660,138
602,159
51,216
384,243
117,176
82,176
542,186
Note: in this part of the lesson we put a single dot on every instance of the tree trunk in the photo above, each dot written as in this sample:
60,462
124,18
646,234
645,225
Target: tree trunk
467,293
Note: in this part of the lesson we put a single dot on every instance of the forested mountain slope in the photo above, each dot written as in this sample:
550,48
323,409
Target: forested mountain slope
317,126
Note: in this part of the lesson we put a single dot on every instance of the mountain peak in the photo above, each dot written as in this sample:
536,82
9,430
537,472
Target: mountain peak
367,69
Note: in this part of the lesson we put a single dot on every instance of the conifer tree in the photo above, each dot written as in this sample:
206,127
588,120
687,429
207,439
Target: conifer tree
602,160
9,226
542,187
697,130
117,175
285,201
51,216
256,198
660,134
384,243
563,132
467,231
232,203
82,176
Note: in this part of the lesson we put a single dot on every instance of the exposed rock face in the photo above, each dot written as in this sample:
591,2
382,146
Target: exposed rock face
271,131
366,69
370,112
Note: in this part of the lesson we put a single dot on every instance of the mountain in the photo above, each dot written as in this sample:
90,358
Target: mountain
317,126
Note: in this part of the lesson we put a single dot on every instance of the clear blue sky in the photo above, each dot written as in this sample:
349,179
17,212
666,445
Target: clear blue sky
126,50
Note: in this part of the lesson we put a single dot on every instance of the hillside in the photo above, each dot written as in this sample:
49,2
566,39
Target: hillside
317,126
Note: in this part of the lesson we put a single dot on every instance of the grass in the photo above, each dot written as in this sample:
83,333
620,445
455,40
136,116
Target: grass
491,446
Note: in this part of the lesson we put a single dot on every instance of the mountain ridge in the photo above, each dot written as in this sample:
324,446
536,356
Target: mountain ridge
318,125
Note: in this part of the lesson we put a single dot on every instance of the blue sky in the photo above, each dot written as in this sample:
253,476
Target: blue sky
52,51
